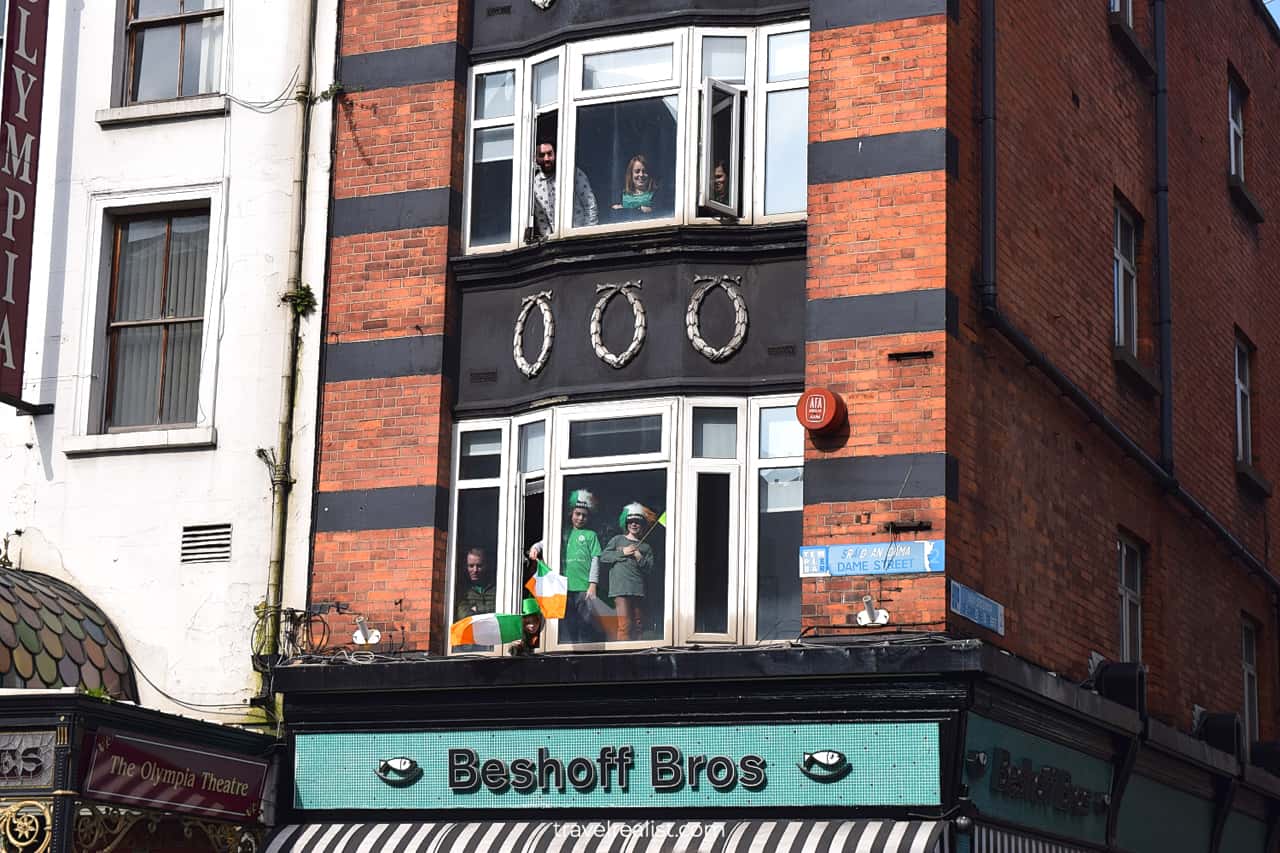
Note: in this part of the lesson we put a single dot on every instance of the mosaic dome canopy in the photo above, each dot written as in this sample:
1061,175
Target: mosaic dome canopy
51,635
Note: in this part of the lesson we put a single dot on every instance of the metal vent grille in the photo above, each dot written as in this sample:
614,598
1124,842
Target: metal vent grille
206,543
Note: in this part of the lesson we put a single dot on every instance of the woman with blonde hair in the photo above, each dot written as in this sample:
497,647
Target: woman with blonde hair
638,185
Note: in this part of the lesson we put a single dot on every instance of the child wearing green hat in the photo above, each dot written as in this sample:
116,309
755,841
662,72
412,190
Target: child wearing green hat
580,559
630,560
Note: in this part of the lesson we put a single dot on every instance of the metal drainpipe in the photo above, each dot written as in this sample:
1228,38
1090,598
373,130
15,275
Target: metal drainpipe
992,315
281,465
1163,263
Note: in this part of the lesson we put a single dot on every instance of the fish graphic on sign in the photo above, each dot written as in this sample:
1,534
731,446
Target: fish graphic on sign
825,766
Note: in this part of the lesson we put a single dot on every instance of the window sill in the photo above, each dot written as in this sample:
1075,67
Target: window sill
1127,40
1244,200
1252,480
1138,373
187,438
180,108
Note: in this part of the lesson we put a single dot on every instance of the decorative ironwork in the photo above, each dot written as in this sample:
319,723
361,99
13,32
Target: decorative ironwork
26,827
607,292
543,301
731,285
102,829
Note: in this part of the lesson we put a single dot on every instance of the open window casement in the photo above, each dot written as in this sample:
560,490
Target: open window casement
721,135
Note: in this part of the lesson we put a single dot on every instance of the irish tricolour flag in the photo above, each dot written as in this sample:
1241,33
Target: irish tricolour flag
486,629
551,589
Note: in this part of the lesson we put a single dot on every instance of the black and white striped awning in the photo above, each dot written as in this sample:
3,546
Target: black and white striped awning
987,839
640,836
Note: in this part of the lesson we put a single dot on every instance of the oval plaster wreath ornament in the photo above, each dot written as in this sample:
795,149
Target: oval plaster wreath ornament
731,285
607,292
543,302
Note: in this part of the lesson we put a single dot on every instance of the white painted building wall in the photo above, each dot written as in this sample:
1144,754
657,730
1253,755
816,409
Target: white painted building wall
106,512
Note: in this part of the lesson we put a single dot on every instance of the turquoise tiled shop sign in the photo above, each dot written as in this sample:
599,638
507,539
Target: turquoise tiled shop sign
802,764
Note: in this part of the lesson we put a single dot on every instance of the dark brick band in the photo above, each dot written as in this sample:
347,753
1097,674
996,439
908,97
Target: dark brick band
407,66
382,509
877,156
876,314
869,478
392,211
830,14
420,355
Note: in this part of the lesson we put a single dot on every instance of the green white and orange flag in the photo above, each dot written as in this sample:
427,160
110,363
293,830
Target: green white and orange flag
551,589
487,629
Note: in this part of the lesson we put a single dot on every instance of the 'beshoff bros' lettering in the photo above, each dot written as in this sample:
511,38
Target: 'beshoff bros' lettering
20,111
669,771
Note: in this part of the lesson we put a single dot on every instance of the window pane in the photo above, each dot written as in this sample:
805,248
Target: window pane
158,8
780,433
615,437
181,374
779,531
715,433
546,82
532,443
711,559
202,65
786,167
140,276
627,151
491,174
723,130
626,67
788,57
481,457
724,58
1250,647
496,94
632,585
1251,706
135,376
1242,366
188,260
477,536
1135,631
155,63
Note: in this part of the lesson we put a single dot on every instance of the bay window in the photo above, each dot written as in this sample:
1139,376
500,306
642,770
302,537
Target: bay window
674,127
674,520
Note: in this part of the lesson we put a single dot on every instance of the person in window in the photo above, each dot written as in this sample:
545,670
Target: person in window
720,183
638,187
580,557
478,594
630,560
585,211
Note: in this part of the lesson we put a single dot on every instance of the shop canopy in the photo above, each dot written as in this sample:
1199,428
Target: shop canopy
638,836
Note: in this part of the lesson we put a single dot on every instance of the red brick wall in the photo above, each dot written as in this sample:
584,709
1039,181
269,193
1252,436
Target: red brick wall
394,432
866,237
1042,493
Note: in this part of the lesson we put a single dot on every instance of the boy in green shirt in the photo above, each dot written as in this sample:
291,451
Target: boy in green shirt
580,562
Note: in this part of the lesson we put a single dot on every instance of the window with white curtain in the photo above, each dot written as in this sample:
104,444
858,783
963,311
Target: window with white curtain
174,49
155,319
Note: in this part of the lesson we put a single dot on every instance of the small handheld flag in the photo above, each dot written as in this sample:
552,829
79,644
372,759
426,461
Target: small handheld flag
551,589
487,629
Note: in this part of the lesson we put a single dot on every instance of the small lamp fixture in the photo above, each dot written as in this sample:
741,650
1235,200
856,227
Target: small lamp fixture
869,615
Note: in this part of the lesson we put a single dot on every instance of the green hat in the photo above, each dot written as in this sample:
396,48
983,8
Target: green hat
530,607
636,510
582,499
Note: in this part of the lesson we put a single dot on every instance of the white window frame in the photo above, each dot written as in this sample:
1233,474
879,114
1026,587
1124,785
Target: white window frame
520,130
89,435
1126,304
1249,672
695,212
1130,554
763,89
125,45
676,457
1236,97
756,463
504,573
1244,406
1125,8
685,84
